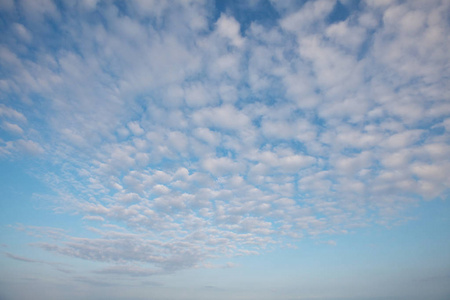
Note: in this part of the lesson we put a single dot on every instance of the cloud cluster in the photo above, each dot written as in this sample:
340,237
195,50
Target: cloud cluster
182,135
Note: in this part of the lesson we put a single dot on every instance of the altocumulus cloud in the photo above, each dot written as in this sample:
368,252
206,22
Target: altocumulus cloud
181,135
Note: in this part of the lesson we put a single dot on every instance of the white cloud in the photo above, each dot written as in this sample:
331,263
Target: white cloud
194,139
368,20
229,28
22,32
93,218
398,159
12,128
349,37
128,197
224,117
37,10
350,165
228,93
310,14
403,139
178,141
135,128
26,147
281,161
160,189
436,173
208,136
300,130
73,137
317,182
11,113
221,166
198,95
7,5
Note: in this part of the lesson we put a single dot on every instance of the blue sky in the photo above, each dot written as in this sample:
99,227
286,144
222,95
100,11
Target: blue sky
224,150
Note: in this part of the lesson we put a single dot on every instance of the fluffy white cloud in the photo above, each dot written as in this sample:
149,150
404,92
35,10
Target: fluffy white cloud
223,117
221,166
135,128
193,138
229,28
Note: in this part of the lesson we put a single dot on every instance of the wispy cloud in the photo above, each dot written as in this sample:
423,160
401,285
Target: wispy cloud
61,267
20,258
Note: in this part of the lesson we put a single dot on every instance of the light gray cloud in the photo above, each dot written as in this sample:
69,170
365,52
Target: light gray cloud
20,258
133,271
191,138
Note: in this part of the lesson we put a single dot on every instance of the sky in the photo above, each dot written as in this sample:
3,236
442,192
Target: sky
261,149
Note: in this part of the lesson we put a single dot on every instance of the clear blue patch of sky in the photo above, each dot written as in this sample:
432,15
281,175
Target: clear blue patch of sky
246,13
27,200
339,13
413,252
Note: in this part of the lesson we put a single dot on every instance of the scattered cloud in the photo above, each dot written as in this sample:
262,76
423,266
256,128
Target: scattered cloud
195,135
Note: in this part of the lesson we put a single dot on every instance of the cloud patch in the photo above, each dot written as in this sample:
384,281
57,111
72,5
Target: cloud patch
182,134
